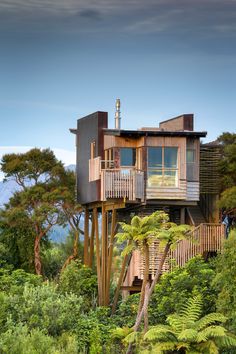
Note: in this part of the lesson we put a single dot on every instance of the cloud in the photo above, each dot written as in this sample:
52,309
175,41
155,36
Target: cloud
131,16
68,157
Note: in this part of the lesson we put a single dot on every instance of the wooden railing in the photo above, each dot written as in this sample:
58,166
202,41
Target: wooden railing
122,183
203,238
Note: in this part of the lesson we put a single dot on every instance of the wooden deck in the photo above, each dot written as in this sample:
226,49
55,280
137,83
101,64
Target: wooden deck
204,238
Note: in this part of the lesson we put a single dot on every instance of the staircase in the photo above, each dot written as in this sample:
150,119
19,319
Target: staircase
195,215
204,238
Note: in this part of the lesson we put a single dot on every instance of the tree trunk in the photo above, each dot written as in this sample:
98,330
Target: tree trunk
145,277
149,294
75,250
37,258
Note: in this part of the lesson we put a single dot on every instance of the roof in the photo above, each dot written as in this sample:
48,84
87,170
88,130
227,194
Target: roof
140,133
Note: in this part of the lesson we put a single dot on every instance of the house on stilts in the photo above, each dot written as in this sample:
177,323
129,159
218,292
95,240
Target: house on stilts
121,173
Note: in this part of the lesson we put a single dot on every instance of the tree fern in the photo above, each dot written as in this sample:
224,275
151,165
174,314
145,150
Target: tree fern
188,331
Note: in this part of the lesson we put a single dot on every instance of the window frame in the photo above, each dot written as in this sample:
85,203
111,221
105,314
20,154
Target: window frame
163,169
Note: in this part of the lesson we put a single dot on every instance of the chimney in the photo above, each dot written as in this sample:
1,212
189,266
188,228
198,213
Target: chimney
117,114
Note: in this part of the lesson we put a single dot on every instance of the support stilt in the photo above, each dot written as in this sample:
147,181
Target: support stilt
86,237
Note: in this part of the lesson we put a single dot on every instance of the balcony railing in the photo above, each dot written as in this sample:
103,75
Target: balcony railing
122,183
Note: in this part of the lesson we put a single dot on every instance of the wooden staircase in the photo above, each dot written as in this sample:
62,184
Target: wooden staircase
196,216
205,238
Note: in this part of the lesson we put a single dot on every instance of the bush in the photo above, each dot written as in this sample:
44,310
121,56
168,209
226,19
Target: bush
175,288
80,280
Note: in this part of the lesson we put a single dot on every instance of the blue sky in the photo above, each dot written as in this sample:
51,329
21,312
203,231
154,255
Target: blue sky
61,60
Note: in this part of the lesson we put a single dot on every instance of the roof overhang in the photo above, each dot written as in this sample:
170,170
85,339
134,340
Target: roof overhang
140,133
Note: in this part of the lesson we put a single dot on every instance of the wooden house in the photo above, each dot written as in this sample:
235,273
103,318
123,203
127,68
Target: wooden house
125,172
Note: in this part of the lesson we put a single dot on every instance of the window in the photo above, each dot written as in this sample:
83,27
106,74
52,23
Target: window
127,157
162,167
190,155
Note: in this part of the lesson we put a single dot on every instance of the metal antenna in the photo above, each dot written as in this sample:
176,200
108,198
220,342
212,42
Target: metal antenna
117,114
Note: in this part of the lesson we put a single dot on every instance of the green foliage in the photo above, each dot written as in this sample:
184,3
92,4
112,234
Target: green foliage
53,258
13,281
227,168
224,281
190,332
127,311
20,340
177,286
17,246
228,199
228,161
80,280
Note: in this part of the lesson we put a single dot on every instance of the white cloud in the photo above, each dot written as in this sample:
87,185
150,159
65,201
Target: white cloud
68,157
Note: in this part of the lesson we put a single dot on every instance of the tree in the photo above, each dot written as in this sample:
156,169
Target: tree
224,281
140,234
227,168
188,333
37,204
72,211
156,227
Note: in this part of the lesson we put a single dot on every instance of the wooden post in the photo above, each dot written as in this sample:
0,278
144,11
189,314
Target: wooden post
104,254
182,216
91,247
86,237
95,217
110,254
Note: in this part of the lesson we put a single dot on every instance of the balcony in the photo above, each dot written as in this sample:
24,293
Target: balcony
122,183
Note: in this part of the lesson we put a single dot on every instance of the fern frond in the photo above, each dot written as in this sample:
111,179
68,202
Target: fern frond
228,341
164,347
160,333
188,335
208,347
136,221
192,310
210,333
127,250
210,319
132,337
176,322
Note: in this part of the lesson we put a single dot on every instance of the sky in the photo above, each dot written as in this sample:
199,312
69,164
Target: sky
61,60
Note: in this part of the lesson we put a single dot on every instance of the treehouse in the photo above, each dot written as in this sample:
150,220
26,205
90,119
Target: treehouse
121,173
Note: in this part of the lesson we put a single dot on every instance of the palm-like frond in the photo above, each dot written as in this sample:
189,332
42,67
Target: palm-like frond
227,341
132,337
186,331
211,332
160,333
188,335
192,310
210,319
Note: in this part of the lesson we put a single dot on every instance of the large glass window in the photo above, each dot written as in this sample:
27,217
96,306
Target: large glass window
162,166
127,157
